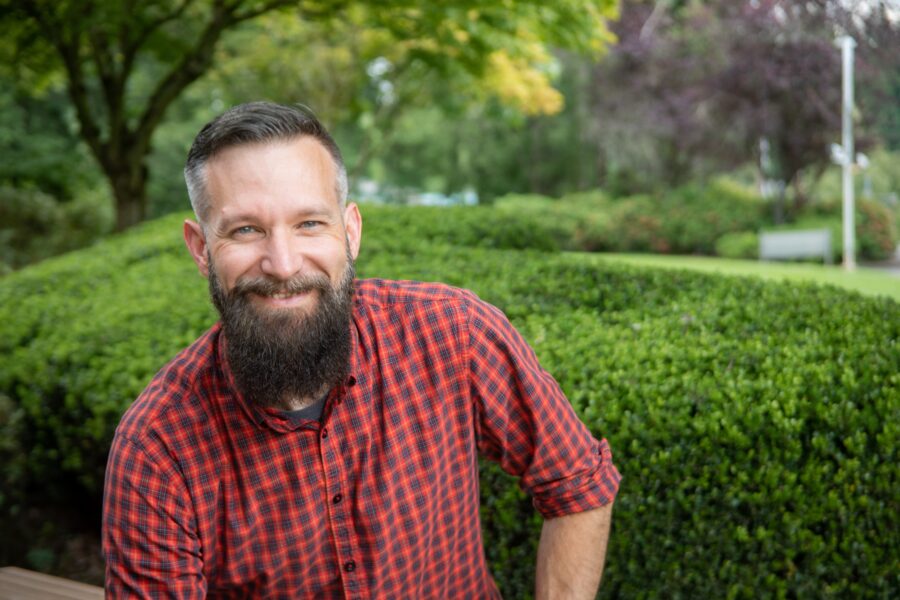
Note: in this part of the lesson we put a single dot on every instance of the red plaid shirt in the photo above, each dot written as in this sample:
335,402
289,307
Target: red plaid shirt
208,496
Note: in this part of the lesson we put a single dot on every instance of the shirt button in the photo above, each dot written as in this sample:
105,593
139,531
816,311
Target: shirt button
351,381
337,498
349,566
325,433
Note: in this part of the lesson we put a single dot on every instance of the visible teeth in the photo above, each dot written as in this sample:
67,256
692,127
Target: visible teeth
281,295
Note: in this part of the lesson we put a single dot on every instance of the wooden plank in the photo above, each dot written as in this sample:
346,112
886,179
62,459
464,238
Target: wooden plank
21,584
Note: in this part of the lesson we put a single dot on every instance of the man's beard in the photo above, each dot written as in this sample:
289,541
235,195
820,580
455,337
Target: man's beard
281,356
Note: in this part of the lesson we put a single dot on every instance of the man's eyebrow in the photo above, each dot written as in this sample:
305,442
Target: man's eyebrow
320,213
228,222
314,212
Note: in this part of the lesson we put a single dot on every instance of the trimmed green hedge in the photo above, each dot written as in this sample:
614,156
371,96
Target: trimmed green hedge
687,220
720,218
756,424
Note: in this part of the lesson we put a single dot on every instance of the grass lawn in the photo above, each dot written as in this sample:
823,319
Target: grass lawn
872,282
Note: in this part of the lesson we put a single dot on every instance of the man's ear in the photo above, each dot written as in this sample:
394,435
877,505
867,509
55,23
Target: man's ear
353,225
196,245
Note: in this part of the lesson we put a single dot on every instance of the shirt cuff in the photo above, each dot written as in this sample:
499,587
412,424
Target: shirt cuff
583,492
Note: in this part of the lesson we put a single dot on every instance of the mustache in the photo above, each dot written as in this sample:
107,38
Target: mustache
267,286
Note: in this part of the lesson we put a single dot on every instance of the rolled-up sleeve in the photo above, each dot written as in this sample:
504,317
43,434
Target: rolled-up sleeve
526,424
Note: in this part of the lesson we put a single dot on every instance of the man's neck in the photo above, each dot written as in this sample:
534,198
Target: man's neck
301,402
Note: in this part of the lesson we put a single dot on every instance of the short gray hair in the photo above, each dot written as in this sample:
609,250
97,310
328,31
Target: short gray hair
253,123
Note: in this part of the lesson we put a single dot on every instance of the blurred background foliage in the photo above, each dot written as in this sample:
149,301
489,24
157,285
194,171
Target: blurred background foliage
99,102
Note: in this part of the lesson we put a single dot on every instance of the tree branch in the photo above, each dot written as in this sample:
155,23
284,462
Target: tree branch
659,8
130,47
69,52
261,9
192,65
102,55
197,60
79,95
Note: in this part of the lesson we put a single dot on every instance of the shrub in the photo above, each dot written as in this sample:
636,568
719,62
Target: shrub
756,424
877,235
686,220
591,199
744,244
479,226
634,226
34,226
81,334
693,217
27,218
523,201
752,451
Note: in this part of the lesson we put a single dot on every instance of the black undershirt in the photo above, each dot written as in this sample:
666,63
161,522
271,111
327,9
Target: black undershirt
313,412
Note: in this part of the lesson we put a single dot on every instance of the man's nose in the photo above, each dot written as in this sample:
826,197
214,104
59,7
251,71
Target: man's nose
283,256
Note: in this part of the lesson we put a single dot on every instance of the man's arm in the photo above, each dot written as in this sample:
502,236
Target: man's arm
527,425
571,555
148,540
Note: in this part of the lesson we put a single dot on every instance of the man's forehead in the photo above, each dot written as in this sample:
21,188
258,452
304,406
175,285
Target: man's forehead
305,147
297,174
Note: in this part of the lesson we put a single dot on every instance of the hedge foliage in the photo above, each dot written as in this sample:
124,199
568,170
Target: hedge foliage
876,233
756,424
720,217
35,226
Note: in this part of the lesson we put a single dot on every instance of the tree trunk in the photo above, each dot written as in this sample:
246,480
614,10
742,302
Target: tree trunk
778,206
129,186
800,197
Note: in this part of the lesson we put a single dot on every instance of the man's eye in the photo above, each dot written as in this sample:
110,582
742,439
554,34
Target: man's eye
245,230
310,224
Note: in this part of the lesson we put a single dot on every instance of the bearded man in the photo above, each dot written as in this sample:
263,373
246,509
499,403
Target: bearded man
322,439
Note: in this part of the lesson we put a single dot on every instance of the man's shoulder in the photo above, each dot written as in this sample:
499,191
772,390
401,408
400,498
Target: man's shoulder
173,395
429,303
397,292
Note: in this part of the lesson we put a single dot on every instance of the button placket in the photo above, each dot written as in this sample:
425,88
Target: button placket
338,510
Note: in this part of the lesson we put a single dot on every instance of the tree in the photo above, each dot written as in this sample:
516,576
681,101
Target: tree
652,99
875,25
692,87
37,149
126,61
783,83
493,148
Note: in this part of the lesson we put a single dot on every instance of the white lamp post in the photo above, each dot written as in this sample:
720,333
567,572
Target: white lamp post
847,45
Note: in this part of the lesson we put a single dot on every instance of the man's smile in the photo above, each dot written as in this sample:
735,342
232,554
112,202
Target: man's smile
284,299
